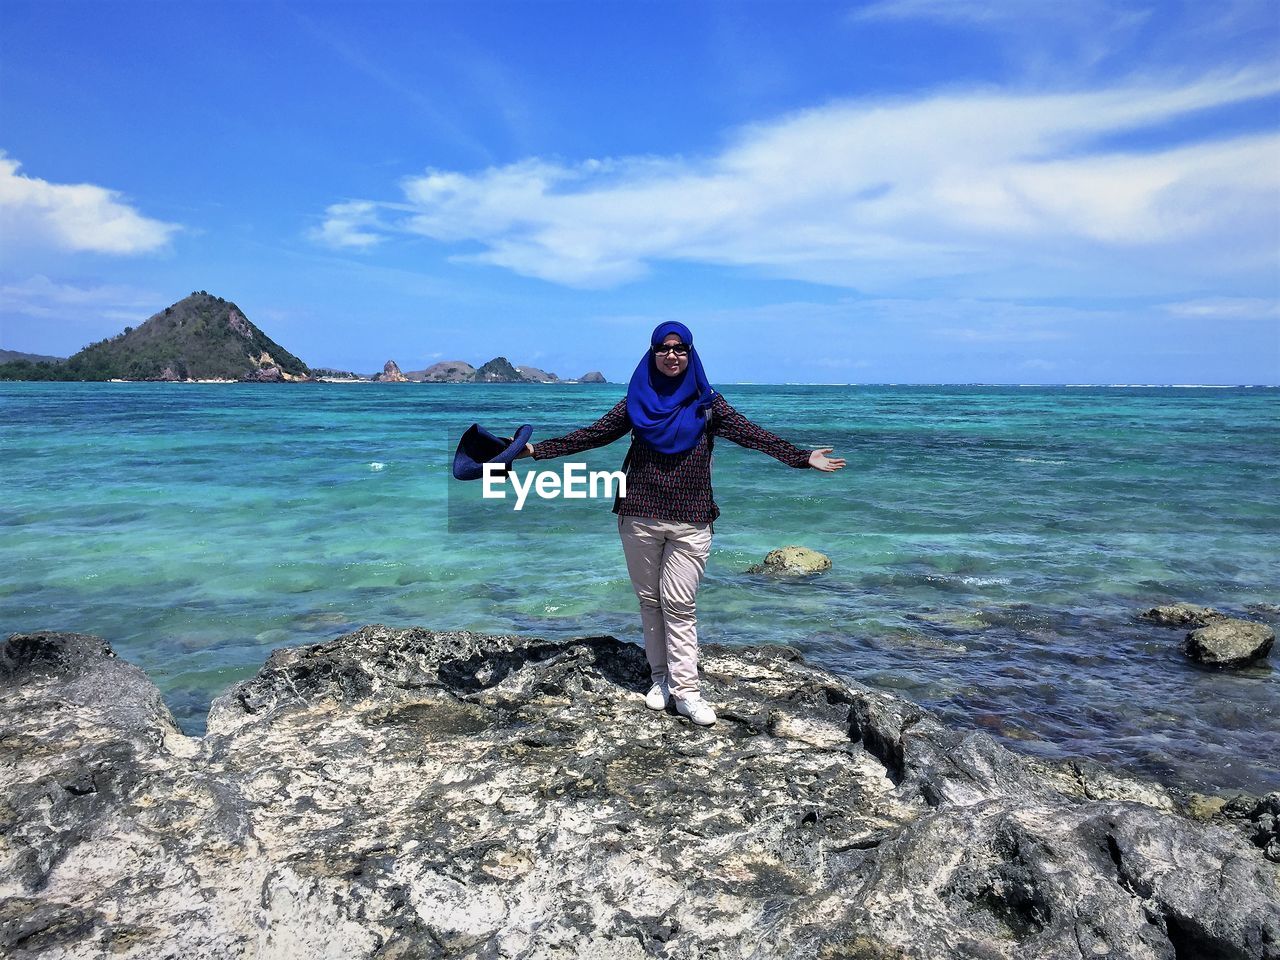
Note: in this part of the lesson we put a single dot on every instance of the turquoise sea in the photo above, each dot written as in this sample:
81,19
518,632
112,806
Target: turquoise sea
991,545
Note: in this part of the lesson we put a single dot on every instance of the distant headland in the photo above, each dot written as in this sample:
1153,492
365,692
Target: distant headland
204,338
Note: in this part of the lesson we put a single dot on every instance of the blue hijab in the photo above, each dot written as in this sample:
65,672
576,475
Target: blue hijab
669,413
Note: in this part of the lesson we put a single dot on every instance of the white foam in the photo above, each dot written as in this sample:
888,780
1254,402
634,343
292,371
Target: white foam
376,466
1037,460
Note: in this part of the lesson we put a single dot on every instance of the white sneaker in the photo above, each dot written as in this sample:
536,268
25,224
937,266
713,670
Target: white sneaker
658,696
697,710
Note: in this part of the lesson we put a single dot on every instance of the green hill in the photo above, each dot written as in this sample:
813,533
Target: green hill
498,370
201,337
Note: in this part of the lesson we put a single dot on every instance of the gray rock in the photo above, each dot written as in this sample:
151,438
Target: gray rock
1182,615
1229,643
405,793
793,561
1265,819
391,373
595,376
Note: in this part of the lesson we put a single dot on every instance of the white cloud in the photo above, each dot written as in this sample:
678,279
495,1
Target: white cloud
881,194
349,225
73,217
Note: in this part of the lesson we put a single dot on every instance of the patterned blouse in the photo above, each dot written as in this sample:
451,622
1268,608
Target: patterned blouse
672,486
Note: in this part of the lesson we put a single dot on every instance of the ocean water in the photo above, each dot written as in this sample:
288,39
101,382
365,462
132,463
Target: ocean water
991,545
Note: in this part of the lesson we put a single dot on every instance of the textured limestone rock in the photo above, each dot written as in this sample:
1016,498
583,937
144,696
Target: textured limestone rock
1229,643
1181,615
793,561
391,373
404,793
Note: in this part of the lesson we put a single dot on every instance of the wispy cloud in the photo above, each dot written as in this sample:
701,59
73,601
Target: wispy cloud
976,190
1017,14
465,72
1226,308
353,225
56,316
1043,37
73,216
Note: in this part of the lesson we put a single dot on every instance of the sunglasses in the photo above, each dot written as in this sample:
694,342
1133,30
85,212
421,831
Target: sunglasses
679,349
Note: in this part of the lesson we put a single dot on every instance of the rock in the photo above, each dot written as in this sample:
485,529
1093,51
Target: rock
1203,807
1265,818
595,376
1182,615
391,373
269,373
407,793
793,561
168,374
1229,643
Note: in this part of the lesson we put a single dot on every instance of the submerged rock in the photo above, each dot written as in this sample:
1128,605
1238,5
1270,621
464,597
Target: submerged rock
406,793
793,561
1182,615
1229,643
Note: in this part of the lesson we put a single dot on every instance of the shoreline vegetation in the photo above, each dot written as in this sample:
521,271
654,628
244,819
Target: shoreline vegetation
394,791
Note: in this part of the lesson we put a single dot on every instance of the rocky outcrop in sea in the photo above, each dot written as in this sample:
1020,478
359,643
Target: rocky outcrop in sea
792,561
391,373
1216,639
407,793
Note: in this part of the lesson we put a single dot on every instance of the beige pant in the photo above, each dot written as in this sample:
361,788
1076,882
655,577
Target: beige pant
666,559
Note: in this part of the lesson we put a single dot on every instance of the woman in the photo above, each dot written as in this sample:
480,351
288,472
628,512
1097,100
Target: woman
666,518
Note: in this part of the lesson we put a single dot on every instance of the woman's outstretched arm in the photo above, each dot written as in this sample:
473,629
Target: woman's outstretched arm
607,429
732,425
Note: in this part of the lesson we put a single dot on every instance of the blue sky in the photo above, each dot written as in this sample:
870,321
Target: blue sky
894,191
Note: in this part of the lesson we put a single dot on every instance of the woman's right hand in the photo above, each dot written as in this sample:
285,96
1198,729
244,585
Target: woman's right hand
526,452
819,460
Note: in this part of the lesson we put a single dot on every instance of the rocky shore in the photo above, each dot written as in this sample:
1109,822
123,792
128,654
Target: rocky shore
413,794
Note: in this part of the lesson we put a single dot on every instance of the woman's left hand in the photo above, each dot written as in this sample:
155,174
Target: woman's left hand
819,460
